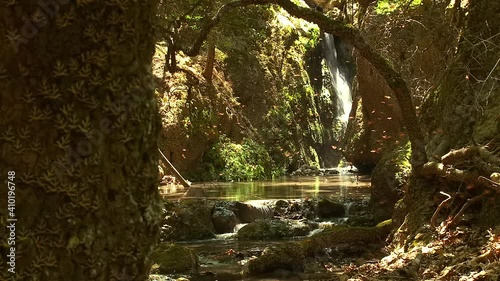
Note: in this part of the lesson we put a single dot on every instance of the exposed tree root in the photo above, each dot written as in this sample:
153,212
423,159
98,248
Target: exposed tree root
489,183
473,156
432,169
443,204
469,202
470,165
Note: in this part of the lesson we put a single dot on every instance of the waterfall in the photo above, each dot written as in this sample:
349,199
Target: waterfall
340,80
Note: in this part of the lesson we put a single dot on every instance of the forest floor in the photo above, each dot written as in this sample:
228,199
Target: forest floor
463,253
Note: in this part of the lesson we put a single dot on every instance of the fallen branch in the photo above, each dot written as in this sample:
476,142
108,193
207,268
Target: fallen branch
340,234
173,170
488,256
292,255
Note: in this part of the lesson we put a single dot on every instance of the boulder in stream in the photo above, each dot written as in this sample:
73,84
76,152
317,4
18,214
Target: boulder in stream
289,256
281,207
273,229
224,220
187,220
247,213
307,170
330,209
172,258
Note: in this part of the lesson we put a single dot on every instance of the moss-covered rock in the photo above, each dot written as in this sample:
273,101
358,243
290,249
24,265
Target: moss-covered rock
172,258
187,220
272,229
289,256
341,234
224,220
330,209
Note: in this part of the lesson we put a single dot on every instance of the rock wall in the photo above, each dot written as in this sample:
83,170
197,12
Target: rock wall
418,41
375,122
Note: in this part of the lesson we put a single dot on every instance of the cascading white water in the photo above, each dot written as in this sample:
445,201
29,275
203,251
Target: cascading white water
339,81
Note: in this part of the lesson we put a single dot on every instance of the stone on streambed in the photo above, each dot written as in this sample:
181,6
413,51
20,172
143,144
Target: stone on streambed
346,235
268,229
296,209
281,206
307,170
171,258
224,220
330,209
247,213
187,220
289,256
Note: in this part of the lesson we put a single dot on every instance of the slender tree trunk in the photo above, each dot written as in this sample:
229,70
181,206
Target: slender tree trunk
209,67
79,128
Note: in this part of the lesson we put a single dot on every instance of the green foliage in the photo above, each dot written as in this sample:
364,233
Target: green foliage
312,38
173,258
243,30
403,154
243,161
385,7
272,47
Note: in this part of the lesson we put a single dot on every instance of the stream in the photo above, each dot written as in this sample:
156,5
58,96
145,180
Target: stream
343,187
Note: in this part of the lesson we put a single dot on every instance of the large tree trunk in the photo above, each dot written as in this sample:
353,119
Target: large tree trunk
79,128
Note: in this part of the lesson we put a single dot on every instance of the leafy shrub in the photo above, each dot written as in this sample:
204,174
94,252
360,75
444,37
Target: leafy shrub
385,7
247,160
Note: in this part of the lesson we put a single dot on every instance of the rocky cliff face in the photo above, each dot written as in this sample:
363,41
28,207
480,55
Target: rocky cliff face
277,89
464,108
418,40
375,122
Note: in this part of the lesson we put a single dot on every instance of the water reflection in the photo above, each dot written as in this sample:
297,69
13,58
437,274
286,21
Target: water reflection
341,186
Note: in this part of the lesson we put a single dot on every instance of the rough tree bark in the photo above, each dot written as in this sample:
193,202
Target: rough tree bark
209,67
79,128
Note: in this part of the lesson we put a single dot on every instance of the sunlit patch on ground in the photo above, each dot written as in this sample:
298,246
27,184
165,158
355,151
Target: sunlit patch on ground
458,254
